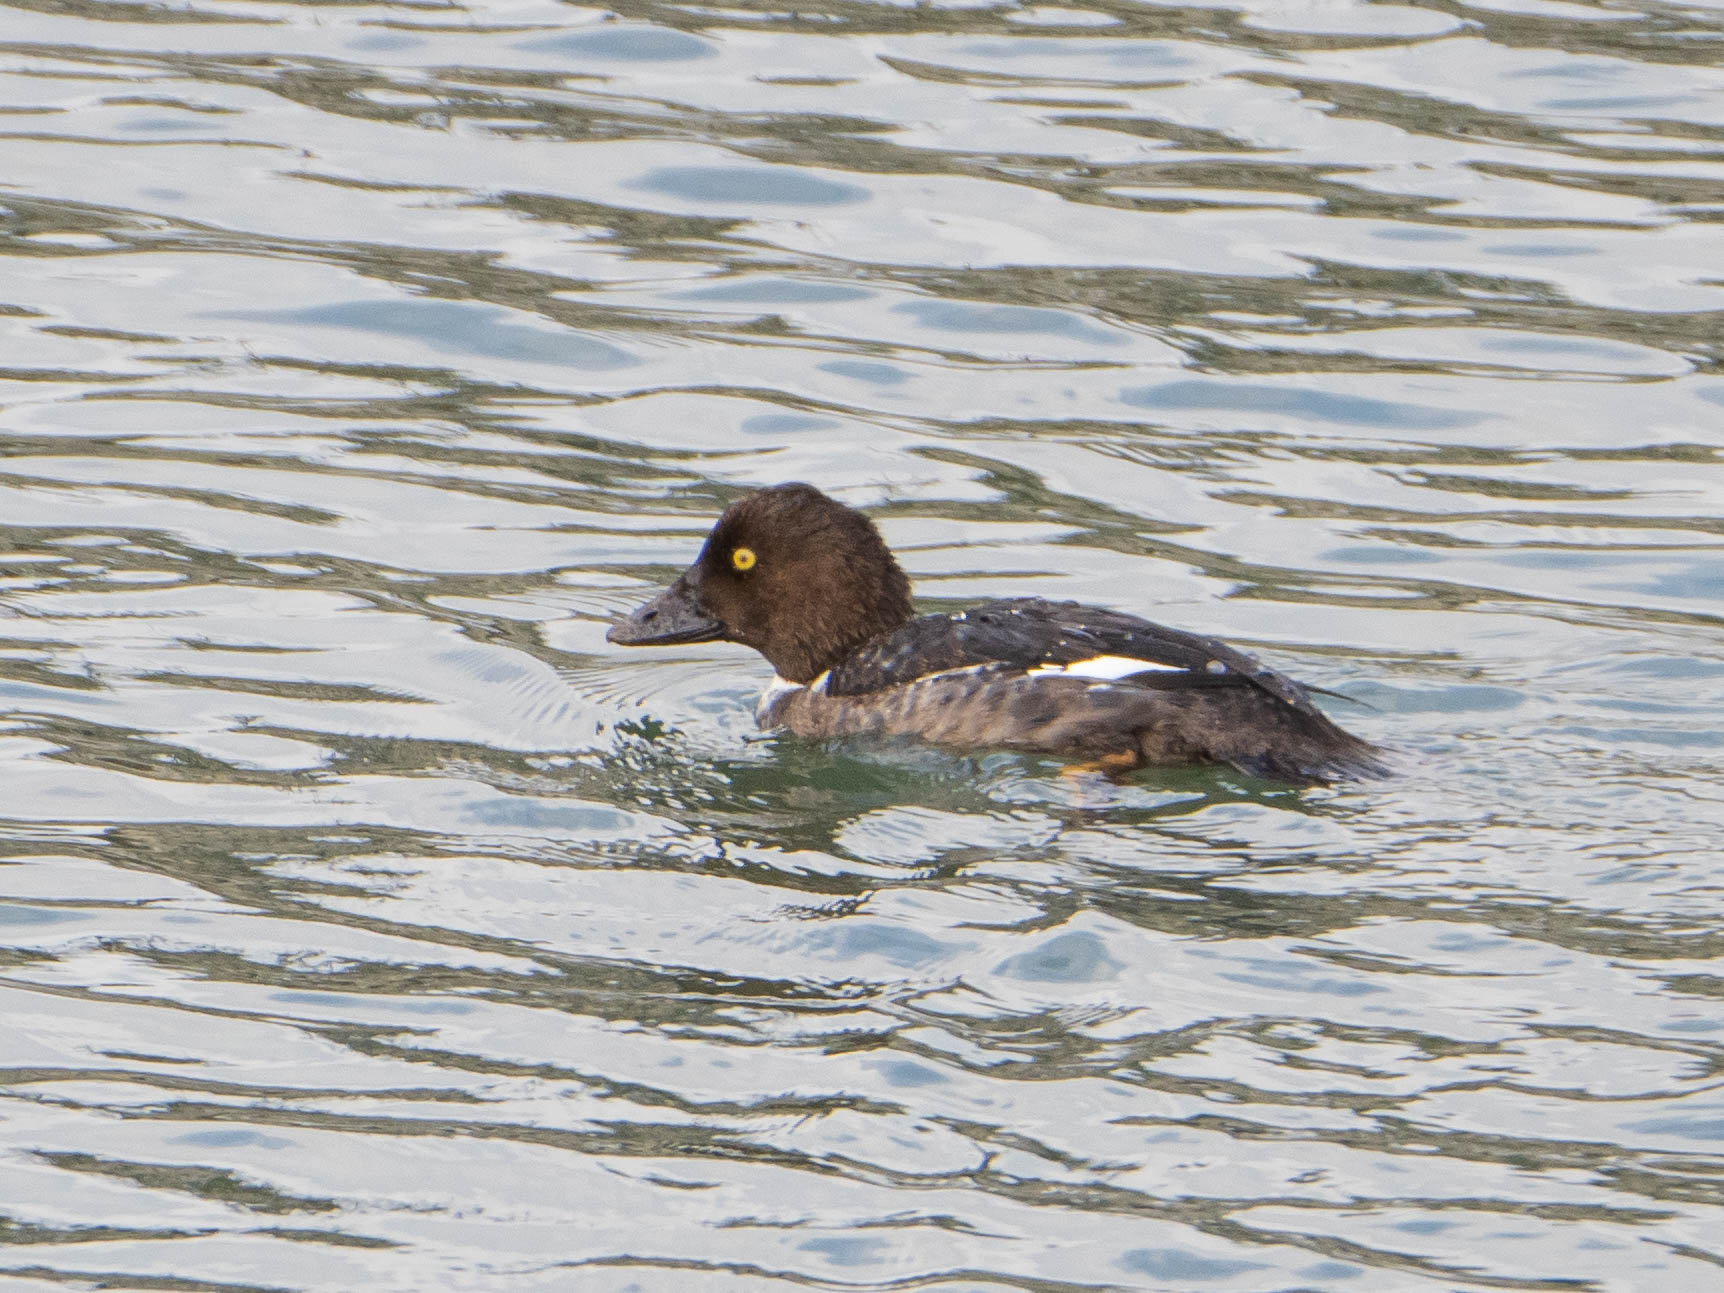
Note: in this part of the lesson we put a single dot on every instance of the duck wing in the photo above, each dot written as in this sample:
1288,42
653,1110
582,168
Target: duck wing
1025,633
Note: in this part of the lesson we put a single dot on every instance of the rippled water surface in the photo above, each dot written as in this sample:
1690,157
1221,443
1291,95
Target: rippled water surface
368,923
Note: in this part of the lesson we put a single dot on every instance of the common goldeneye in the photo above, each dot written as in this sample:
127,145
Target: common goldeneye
810,584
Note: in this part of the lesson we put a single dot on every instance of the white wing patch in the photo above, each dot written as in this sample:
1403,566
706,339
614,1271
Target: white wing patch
1107,668
779,688
775,691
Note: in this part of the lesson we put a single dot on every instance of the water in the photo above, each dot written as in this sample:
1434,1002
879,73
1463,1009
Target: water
367,922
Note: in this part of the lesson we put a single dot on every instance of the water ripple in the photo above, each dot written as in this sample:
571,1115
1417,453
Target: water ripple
367,921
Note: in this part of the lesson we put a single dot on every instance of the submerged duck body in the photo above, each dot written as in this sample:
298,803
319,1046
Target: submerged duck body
810,584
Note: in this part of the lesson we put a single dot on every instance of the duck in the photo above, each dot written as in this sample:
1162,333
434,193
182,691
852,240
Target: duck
809,583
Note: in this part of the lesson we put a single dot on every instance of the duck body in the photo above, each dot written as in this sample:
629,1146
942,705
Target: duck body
810,584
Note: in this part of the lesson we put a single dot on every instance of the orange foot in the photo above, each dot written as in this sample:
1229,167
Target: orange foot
1116,764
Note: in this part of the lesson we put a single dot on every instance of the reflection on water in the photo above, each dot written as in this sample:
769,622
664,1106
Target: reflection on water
366,922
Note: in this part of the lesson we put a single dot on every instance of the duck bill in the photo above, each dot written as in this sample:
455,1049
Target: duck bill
675,615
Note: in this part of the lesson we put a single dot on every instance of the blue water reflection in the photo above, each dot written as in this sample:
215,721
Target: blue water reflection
626,44
1182,1264
1077,957
452,328
771,186
1317,405
368,921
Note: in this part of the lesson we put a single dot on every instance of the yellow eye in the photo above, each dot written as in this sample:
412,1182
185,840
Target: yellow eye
742,558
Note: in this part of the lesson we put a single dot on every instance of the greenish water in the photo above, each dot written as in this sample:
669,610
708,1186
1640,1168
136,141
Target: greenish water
367,922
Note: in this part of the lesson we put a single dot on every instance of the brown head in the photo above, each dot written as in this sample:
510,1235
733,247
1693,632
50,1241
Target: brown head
799,577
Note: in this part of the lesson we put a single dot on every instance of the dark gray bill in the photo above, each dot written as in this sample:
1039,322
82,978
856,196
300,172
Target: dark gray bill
675,615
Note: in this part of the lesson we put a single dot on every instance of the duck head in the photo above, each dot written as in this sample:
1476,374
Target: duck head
796,575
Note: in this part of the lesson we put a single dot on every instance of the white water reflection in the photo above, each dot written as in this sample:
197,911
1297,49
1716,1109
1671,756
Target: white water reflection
367,922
